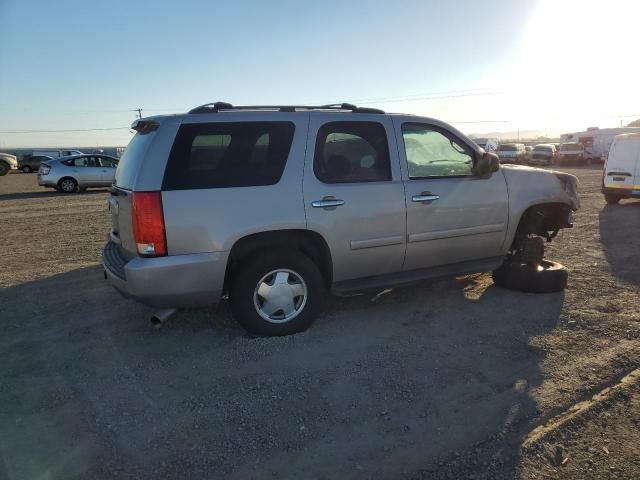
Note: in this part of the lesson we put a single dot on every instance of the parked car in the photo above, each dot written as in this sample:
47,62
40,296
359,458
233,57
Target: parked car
8,162
512,153
276,206
56,153
77,173
31,163
571,153
528,150
621,176
543,154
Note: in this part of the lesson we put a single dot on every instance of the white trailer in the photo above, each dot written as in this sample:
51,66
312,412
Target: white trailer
596,141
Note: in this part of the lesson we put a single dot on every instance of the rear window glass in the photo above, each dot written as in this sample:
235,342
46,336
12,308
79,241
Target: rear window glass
219,155
543,149
508,148
131,159
352,152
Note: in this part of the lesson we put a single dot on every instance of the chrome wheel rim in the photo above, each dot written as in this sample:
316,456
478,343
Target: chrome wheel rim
280,296
67,186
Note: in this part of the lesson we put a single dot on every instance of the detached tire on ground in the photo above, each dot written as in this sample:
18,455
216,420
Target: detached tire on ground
547,278
276,292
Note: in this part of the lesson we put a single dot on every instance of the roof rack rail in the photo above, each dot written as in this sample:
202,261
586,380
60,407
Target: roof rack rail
218,106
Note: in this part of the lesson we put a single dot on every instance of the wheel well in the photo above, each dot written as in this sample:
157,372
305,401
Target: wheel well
308,242
544,220
64,178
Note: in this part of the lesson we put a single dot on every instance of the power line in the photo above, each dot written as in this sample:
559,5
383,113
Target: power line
65,130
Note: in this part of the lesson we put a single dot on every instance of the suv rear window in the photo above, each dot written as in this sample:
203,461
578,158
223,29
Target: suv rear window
352,152
220,155
131,159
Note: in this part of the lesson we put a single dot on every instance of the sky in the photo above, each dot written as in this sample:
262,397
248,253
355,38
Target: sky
486,66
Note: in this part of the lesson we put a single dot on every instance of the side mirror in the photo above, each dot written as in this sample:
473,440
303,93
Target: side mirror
487,164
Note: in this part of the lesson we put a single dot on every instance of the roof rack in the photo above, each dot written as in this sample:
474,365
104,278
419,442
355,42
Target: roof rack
220,106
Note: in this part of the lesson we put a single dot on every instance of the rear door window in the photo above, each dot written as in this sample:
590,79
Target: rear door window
222,155
348,152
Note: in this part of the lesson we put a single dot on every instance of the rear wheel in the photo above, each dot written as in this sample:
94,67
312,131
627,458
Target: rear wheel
4,168
27,169
276,293
611,199
68,185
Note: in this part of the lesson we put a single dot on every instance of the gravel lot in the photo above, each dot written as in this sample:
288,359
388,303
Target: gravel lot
444,380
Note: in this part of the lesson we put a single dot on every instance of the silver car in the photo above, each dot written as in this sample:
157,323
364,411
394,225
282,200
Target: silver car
276,206
78,172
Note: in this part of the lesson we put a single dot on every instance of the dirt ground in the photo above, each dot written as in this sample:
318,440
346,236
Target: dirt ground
454,379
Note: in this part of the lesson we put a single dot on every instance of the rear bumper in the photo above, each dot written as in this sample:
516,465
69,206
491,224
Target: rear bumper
175,281
621,192
46,181
541,161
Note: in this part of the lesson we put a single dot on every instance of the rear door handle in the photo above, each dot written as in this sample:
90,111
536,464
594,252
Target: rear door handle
425,197
327,202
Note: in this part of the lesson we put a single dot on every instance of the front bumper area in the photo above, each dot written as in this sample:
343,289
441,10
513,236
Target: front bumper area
174,281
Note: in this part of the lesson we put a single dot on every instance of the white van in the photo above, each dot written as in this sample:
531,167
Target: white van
621,177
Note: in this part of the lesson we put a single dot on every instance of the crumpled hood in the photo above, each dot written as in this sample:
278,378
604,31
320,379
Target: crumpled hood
552,185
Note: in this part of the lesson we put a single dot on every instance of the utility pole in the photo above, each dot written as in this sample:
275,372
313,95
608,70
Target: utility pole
139,110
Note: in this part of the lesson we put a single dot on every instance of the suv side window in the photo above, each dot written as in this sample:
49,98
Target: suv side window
78,162
434,152
220,155
352,152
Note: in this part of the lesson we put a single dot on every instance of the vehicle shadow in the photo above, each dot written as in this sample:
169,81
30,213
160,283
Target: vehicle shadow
619,234
46,194
421,381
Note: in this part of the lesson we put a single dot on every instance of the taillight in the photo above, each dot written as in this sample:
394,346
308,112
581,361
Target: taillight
148,224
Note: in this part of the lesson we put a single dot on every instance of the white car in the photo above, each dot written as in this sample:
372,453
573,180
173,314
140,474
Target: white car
8,162
621,178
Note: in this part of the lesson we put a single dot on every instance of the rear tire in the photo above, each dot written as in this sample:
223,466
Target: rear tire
27,169
548,277
68,185
299,289
611,199
4,168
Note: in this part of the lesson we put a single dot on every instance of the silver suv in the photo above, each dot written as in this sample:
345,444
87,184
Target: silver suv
276,206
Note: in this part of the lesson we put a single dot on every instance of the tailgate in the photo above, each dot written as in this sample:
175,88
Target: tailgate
125,179
621,169
121,222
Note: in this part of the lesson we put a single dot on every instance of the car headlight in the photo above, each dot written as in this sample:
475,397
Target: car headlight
45,169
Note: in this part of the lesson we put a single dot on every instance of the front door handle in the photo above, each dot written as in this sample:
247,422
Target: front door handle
327,202
425,197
